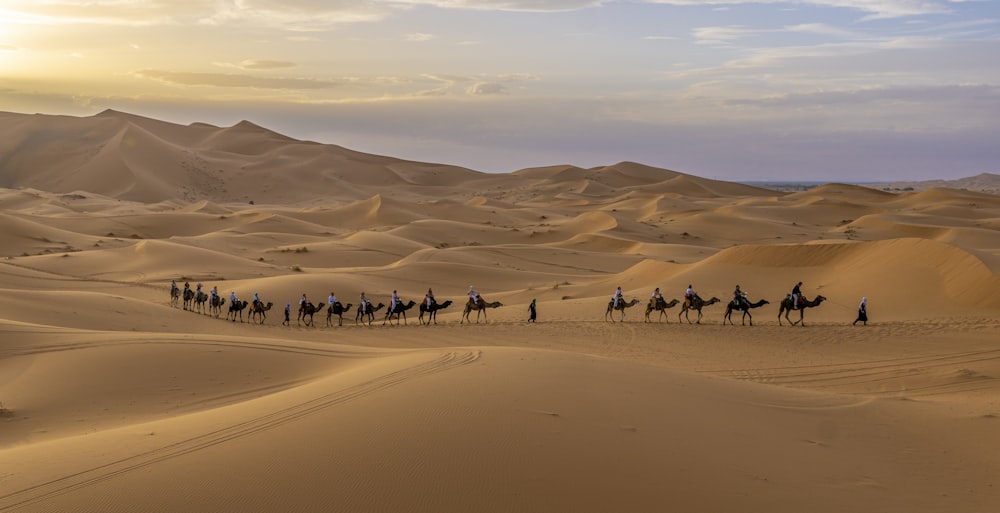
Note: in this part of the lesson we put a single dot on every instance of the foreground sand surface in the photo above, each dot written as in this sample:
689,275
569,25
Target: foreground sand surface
115,400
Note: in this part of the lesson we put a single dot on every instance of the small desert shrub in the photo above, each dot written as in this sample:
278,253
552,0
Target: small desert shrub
296,268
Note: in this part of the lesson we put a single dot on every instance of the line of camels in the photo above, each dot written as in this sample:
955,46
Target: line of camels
198,302
697,303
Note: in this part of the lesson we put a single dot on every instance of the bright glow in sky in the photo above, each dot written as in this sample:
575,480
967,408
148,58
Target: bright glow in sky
739,90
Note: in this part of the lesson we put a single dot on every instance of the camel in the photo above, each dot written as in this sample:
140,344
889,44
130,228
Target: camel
236,307
400,309
175,296
743,307
480,308
257,308
432,311
622,305
188,298
695,303
369,312
308,309
200,298
339,310
786,307
660,306
215,305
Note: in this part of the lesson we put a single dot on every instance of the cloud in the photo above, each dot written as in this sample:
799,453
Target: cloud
873,8
7,48
487,88
418,37
976,97
509,5
315,15
255,64
187,78
731,33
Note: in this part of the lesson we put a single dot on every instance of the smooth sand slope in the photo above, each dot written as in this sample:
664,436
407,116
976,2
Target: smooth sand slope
114,400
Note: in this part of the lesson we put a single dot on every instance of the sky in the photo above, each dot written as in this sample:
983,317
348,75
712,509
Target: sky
828,90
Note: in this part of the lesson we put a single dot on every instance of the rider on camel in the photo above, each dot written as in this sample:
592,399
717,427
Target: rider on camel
429,298
739,298
657,297
393,301
473,295
617,298
689,296
796,295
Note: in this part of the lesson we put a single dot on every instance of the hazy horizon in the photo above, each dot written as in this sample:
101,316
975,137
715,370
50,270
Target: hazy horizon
846,90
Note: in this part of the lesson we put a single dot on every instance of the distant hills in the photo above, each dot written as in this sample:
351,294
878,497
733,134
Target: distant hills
130,157
984,182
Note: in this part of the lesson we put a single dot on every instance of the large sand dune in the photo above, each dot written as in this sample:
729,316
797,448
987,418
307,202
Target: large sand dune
114,400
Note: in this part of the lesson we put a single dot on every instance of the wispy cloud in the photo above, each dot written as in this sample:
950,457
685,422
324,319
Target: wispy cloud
980,96
316,15
187,78
487,88
872,8
418,37
261,64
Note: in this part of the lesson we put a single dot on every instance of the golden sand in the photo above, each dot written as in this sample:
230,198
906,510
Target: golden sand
116,401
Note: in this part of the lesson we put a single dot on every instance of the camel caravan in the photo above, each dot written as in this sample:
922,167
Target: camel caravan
692,301
211,303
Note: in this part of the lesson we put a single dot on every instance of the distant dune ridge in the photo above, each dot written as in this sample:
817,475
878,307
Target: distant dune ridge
112,399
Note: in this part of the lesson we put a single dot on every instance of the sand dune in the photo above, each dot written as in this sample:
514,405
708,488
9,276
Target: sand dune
112,399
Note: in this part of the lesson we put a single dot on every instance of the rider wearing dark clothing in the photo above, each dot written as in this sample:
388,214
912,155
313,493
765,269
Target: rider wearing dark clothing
796,295
739,298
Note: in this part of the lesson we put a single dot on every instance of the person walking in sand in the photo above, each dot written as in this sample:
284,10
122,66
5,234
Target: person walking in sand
532,312
288,315
862,313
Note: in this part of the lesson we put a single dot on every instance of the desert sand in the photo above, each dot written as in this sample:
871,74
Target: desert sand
116,400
